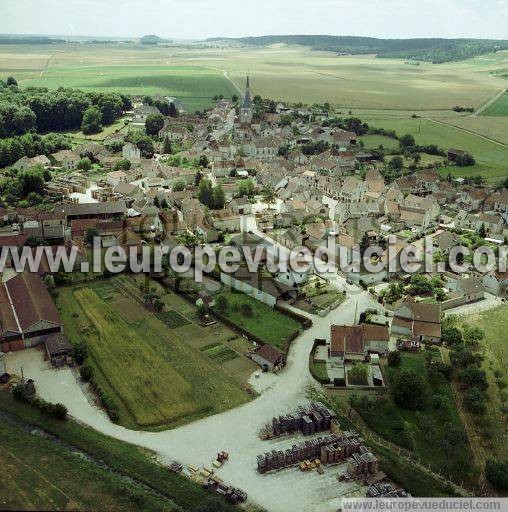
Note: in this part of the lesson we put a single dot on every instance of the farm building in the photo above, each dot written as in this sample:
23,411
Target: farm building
109,210
268,357
27,312
58,348
354,343
419,321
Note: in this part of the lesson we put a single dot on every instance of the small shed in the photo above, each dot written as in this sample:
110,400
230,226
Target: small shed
58,348
268,357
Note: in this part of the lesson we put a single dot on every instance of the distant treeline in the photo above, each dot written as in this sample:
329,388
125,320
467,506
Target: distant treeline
29,40
430,50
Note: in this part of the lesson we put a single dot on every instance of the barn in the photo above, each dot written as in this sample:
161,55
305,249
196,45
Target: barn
27,312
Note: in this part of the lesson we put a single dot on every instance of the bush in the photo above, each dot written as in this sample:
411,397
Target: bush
86,372
409,390
497,474
394,358
474,400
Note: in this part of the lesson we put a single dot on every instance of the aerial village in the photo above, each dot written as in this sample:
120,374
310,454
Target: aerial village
259,174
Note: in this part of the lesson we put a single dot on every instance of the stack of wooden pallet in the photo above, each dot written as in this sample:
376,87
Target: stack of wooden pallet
310,419
382,490
308,450
363,464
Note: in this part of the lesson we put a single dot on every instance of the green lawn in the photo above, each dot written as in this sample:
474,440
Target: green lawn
425,431
374,141
156,379
38,474
498,108
490,158
127,459
267,323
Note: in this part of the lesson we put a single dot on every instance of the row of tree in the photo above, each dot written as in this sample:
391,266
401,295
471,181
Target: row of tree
30,145
41,110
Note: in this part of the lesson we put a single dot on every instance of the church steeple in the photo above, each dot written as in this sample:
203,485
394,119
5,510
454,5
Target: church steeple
246,98
246,110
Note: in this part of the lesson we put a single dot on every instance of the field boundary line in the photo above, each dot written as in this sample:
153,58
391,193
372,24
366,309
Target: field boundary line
40,475
471,132
485,106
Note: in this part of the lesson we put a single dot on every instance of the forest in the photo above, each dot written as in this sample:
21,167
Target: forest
435,50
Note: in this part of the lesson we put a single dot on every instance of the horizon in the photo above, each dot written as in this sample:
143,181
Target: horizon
393,19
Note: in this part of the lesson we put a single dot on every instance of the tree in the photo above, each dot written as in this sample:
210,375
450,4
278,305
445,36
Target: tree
497,473
246,188
472,376
84,164
92,119
246,309
465,160
364,244
86,372
474,400
11,81
203,161
473,334
234,98
394,358
90,234
173,111
482,232
154,123
219,197
221,303
143,142
269,195
122,165
407,141
409,390
178,185
30,181
205,193
451,335
158,305
166,146
396,163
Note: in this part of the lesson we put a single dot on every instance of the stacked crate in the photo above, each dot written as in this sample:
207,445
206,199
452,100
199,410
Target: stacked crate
381,490
308,450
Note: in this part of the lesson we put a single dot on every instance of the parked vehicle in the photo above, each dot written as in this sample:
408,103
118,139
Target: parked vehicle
408,345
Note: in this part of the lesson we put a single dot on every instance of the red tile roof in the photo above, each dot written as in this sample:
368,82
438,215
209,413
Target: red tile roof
31,300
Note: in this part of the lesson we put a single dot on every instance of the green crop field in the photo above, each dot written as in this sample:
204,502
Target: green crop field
38,474
282,72
498,108
155,377
491,158
265,322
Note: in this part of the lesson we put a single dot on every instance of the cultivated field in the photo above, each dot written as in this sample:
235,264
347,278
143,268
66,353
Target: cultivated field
491,158
40,475
498,108
282,72
156,378
385,92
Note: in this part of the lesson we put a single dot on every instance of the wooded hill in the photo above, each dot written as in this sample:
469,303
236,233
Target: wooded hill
430,50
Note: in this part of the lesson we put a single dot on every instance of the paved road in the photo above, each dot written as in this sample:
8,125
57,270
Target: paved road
234,431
